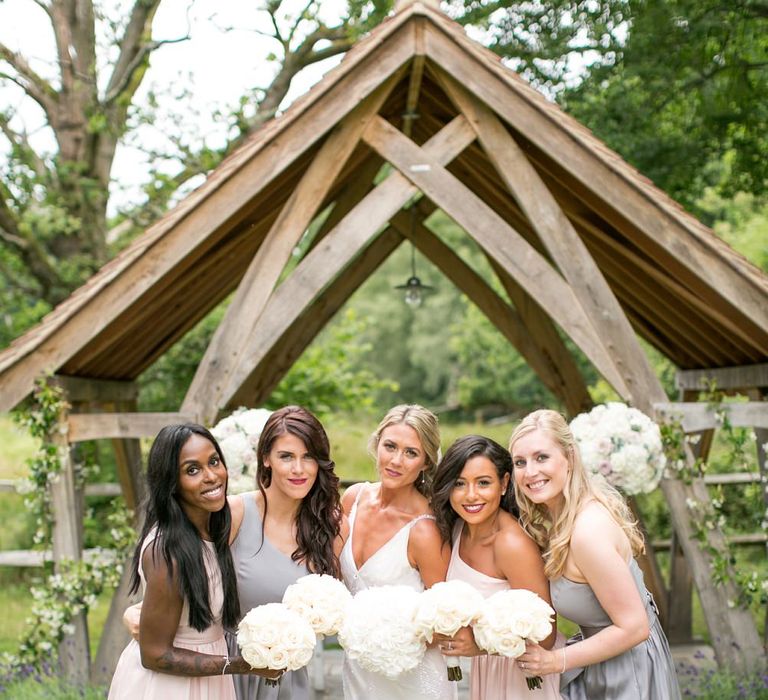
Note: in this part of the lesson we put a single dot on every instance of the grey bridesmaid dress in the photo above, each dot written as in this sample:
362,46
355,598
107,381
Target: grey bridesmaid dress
263,574
644,672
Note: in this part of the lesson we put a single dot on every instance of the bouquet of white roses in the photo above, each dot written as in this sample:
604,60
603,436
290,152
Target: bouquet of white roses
272,636
445,608
507,619
621,444
321,600
379,630
238,435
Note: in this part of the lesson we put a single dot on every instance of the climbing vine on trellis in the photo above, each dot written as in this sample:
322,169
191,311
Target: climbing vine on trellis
76,585
707,516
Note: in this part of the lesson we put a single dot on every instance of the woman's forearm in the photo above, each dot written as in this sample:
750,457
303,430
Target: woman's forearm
177,661
604,645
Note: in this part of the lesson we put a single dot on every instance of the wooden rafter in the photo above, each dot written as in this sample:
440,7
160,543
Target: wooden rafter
304,203
720,284
494,234
336,251
291,344
506,318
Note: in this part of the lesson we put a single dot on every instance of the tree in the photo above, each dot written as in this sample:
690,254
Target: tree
685,93
53,205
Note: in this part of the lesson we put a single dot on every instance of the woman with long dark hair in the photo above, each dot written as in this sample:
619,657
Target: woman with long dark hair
289,527
393,540
184,565
474,503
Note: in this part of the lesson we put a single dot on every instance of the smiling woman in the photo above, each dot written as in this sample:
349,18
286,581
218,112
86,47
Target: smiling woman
393,540
475,507
184,566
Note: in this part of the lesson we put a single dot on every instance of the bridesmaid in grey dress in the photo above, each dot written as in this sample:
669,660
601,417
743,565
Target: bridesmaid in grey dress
589,540
288,528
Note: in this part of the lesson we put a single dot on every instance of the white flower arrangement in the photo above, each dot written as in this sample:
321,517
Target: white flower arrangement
321,600
238,436
444,609
507,619
379,631
273,636
622,445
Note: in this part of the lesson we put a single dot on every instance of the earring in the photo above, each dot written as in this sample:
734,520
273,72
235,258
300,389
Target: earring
423,479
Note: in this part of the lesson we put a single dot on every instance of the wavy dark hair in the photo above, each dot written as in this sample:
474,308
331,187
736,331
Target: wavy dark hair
318,522
178,540
450,468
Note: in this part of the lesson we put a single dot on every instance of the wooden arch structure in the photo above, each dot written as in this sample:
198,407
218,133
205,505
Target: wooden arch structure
416,112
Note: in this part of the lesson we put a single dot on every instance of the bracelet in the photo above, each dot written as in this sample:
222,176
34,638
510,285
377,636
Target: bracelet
563,671
226,664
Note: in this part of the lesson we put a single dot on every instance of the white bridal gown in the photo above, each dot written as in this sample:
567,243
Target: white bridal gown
389,566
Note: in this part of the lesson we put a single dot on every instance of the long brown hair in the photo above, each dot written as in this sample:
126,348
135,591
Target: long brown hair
318,522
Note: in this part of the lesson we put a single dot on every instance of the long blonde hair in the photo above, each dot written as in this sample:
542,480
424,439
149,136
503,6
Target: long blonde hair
426,425
554,537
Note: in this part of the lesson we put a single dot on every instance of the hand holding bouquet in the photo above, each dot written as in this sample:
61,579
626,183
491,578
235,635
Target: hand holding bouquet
444,609
507,619
272,636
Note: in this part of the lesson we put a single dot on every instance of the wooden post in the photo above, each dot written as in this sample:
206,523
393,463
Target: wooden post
761,437
66,504
114,636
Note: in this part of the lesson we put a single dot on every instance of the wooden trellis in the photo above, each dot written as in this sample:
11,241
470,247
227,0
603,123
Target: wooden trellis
582,245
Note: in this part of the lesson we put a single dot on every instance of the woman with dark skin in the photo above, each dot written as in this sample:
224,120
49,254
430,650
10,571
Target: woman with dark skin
184,564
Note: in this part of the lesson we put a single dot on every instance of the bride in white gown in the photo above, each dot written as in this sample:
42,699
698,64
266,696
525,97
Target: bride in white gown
393,540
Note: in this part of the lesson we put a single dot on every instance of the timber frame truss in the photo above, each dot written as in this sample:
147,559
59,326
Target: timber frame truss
421,119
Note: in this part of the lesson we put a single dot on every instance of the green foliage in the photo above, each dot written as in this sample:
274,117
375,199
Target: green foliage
328,378
712,684
686,90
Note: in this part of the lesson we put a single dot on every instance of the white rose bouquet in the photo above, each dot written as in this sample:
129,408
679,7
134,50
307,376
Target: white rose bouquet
622,445
238,436
444,609
321,600
507,619
379,630
275,637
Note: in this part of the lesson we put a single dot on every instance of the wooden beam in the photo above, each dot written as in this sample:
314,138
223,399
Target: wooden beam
67,544
414,85
725,378
96,426
494,234
499,313
561,240
288,347
88,390
262,275
357,187
337,250
697,416
583,158
221,202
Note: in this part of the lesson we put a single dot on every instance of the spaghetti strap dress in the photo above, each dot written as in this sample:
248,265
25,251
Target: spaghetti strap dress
263,574
495,677
389,566
644,672
131,680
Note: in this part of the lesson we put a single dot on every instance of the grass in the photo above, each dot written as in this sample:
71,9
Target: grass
18,446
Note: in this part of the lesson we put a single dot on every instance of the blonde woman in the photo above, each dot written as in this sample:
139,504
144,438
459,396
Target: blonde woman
589,542
393,540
